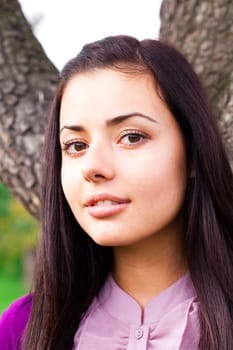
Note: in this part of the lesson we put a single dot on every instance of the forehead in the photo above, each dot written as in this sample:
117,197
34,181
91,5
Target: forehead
92,97
110,92
114,79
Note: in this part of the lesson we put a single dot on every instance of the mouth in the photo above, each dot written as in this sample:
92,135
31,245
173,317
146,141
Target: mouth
104,199
105,205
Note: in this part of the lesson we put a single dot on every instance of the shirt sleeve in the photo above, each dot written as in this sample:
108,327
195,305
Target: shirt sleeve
13,322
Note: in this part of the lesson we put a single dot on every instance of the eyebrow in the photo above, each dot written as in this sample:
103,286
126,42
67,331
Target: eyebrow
111,122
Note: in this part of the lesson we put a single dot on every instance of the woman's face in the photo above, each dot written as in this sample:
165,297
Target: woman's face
123,157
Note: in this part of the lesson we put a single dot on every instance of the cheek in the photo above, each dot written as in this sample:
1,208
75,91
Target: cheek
152,169
173,180
160,176
70,183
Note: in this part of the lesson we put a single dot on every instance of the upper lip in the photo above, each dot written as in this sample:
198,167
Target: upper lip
92,200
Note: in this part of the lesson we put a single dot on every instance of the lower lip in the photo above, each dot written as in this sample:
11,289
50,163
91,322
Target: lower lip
106,211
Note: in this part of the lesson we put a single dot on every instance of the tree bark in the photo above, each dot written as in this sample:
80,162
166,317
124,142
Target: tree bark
203,31
27,83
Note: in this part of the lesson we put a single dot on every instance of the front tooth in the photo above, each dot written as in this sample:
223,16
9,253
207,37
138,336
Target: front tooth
106,202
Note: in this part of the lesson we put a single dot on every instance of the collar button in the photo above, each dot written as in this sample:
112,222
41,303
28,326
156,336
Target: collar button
139,333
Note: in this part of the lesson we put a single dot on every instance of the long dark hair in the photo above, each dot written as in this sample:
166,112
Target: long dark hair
71,268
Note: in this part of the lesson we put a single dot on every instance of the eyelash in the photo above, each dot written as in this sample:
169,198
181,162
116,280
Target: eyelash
141,134
67,145
135,133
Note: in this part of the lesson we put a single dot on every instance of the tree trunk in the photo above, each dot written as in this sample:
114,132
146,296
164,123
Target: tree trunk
203,30
27,82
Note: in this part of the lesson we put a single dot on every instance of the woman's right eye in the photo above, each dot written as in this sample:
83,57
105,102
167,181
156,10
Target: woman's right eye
74,147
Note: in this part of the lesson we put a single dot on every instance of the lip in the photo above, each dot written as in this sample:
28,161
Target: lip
102,211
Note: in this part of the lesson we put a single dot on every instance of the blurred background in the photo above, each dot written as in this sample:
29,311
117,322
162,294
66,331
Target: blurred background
56,25
19,232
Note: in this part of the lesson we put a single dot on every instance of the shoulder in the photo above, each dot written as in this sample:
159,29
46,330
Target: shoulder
13,322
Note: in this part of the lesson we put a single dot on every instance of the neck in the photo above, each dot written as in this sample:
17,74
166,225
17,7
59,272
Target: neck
147,268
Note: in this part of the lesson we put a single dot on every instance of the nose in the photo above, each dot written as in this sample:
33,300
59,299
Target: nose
97,163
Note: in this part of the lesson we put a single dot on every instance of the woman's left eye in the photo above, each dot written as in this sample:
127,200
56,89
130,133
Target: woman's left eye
132,137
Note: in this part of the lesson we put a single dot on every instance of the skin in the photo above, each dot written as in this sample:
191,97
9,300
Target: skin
139,159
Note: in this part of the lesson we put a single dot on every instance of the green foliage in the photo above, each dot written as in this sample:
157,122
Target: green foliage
11,288
18,232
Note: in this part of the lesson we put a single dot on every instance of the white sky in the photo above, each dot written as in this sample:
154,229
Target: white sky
67,25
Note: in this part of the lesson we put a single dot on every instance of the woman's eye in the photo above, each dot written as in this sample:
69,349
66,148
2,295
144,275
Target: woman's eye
74,147
132,137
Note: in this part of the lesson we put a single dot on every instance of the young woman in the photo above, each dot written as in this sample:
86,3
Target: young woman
137,248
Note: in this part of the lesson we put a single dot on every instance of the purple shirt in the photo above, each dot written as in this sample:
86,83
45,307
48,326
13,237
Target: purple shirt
13,323
114,321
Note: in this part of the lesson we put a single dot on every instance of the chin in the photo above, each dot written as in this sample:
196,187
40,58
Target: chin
106,241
